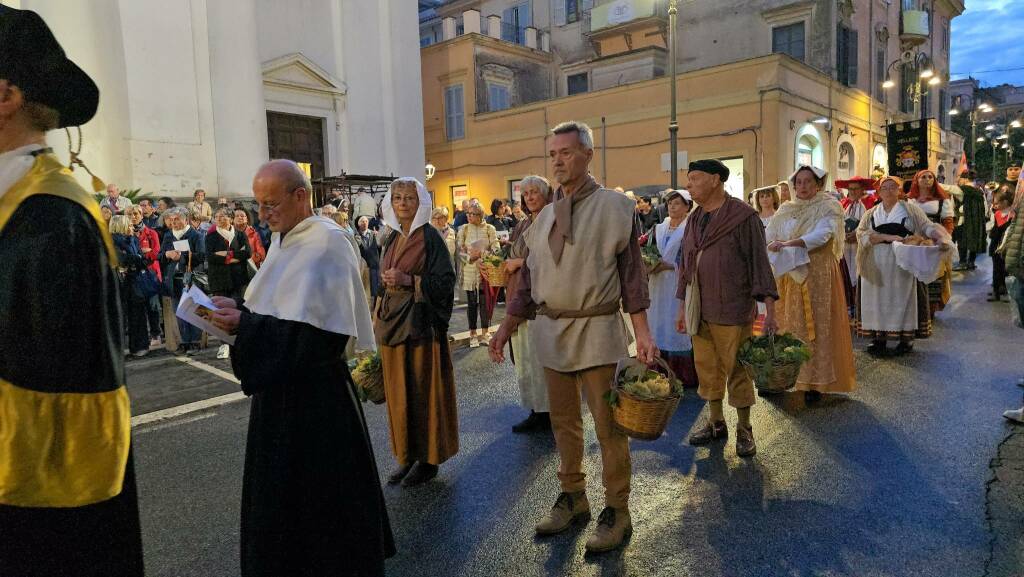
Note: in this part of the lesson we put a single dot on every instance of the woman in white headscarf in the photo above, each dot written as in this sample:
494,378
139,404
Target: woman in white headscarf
805,243
411,325
662,281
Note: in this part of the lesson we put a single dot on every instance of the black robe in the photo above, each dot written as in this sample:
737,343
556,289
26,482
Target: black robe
60,332
312,504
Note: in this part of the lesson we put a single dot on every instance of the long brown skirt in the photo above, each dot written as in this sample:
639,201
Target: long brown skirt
419,385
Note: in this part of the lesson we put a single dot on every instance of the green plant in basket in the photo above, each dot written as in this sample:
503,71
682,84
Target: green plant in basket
650,254
762,354
493,260
644,383
368,375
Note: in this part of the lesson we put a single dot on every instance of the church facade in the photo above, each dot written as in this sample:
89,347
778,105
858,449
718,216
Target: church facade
198,93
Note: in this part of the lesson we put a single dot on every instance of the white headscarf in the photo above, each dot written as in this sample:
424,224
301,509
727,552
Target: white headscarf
422,213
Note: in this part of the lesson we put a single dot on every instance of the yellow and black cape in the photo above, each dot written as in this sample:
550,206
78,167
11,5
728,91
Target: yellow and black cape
68,503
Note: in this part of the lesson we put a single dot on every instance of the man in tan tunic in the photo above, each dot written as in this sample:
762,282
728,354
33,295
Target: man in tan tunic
583,264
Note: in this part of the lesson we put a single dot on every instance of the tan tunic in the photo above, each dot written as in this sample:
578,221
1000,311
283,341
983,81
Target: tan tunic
587,276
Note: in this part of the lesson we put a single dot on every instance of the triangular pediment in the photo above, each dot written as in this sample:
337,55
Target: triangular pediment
298,71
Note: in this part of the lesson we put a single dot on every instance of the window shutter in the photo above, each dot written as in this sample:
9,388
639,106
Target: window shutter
851,57
525,15
558,12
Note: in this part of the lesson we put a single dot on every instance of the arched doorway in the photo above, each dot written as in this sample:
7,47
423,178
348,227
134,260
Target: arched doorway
809,150
879,160
846,163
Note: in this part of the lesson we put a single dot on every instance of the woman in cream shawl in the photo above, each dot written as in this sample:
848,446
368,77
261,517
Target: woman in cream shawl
893,304
807,232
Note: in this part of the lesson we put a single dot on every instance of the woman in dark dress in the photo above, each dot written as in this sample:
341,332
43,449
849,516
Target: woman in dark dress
227,257
411,326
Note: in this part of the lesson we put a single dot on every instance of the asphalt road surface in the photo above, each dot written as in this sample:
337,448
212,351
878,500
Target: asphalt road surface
889,481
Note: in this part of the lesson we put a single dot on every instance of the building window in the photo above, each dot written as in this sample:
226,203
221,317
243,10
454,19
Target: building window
846,55
454,113
514,22
789,40
497,97
880,69
578,83
572,11
426,40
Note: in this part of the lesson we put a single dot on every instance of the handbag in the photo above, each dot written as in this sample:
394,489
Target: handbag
691,305
145,284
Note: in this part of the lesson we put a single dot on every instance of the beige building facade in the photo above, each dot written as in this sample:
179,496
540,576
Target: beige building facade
762,85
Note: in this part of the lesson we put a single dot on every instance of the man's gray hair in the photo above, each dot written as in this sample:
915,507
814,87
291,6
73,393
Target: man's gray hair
583,132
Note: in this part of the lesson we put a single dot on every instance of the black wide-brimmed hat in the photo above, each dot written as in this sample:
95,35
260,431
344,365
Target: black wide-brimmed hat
32,59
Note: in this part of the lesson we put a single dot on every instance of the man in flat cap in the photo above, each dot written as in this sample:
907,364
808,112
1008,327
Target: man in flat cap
725,260
67,486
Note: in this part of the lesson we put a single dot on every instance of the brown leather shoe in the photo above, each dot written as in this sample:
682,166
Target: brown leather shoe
569,507
709,432
745,446
613,527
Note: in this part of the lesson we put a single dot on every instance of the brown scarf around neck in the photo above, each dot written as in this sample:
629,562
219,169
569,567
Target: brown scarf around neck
561,232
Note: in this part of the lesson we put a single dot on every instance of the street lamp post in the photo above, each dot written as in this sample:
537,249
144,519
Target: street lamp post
673,126
915,89
1009,136
974,116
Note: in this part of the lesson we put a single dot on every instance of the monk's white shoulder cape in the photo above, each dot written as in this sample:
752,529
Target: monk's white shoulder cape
313,277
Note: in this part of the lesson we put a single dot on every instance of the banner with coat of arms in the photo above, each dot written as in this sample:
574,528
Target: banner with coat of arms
908,148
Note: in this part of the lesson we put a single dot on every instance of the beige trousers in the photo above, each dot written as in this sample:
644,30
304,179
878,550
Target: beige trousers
714,353
567,423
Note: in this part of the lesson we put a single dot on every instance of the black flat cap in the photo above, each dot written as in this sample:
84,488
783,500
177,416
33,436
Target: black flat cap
32,59
711,166
1013,164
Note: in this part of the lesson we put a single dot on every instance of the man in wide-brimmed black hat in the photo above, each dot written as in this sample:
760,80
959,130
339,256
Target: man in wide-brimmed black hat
68,503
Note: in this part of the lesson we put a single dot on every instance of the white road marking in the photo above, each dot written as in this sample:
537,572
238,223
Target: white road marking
187,408
151,427
164,414
208,368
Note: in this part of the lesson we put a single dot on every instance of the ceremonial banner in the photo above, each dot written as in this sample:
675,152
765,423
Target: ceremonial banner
908,148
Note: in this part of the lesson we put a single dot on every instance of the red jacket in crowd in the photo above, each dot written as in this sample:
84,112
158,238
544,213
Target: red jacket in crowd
259,254
148,238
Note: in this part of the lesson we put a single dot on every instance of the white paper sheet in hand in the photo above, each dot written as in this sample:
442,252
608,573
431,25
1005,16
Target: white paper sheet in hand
195,308
924,262
790,260
181,246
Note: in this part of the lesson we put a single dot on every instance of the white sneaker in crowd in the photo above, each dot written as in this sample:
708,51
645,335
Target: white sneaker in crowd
224,352
1016,416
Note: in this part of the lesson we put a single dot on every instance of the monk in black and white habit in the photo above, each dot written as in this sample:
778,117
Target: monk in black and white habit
311,498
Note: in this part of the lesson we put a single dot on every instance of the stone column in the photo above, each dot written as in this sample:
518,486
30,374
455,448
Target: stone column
239,110
447,28
531,37
494,26
471,22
